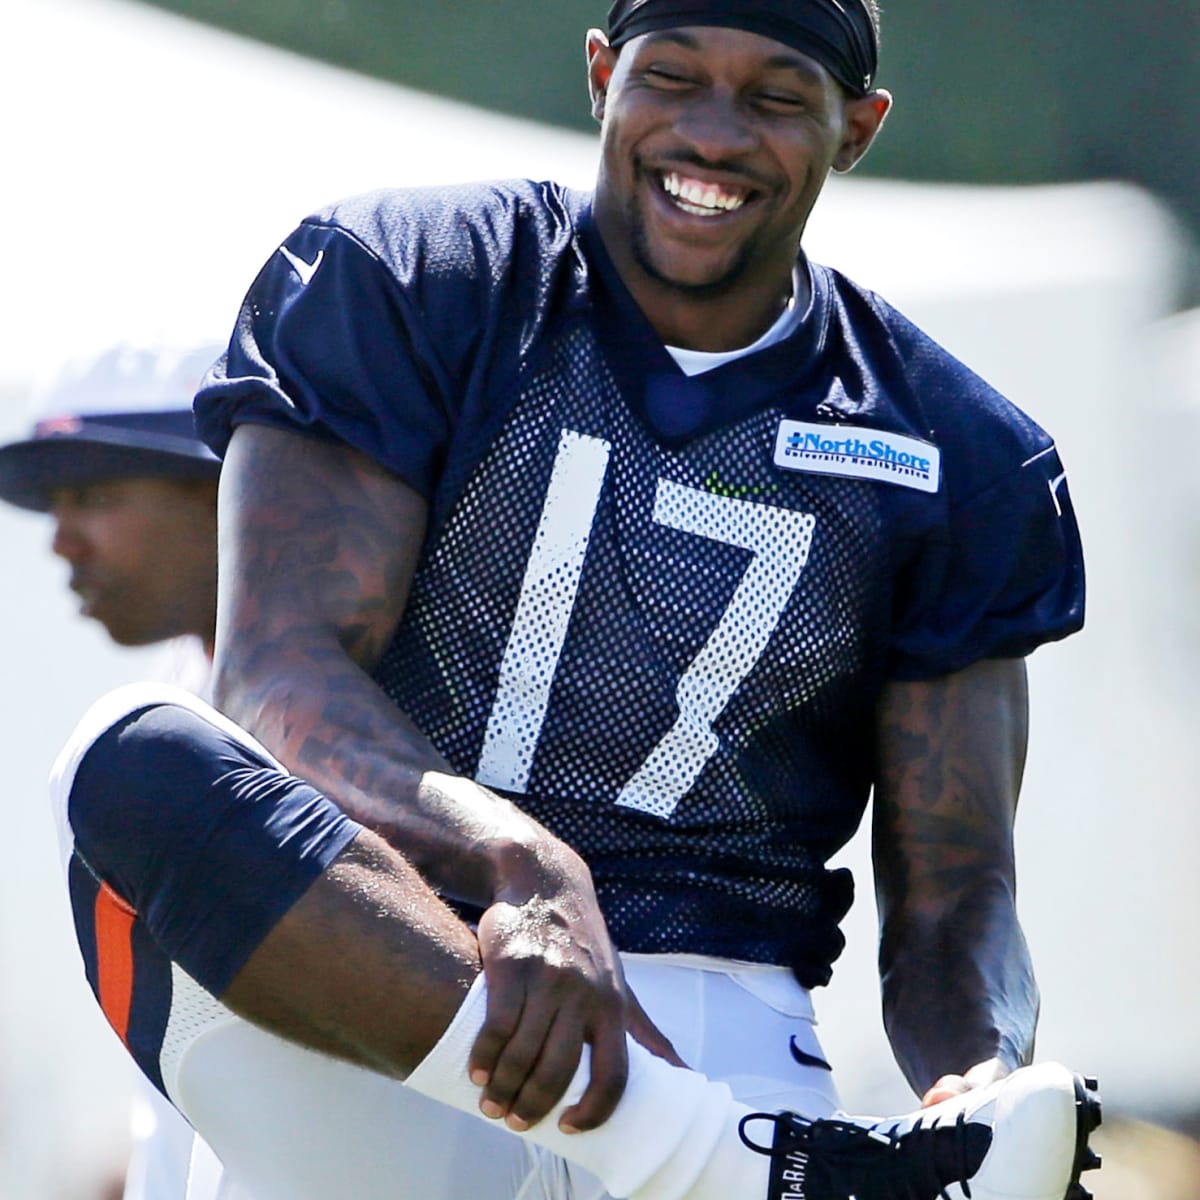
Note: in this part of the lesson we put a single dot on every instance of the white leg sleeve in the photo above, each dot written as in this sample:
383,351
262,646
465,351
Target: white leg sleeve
673,1135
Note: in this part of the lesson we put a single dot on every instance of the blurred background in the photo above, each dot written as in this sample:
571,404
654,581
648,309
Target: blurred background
1034,203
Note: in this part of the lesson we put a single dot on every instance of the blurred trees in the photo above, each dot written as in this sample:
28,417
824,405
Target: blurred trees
1012,91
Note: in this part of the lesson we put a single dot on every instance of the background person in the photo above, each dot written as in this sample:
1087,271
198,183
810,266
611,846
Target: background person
114,459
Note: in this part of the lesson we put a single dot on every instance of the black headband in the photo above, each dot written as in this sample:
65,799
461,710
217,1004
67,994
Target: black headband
838,34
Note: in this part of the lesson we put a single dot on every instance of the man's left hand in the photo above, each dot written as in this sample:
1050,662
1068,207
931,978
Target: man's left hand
980,1075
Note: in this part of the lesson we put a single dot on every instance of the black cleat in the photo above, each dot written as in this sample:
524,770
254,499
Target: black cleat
1088,1116
838,1160
1024,1137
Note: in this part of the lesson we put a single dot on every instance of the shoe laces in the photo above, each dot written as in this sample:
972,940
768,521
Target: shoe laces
844,1160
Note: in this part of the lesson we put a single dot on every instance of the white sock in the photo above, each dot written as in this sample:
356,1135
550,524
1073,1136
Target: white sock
673,1136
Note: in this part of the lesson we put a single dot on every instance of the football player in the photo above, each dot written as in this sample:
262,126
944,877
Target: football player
587,559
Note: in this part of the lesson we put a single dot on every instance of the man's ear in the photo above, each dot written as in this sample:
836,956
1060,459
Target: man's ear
864,119
601,59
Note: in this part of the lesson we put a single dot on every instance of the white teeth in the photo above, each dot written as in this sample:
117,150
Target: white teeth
700,199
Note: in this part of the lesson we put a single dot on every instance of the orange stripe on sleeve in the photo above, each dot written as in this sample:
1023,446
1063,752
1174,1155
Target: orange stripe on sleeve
114,958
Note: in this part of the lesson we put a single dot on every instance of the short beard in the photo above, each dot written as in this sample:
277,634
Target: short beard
640,248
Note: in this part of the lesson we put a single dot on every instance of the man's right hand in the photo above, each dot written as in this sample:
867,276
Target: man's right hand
555,984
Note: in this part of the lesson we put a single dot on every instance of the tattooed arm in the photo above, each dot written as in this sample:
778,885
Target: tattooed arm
960,1002
318,546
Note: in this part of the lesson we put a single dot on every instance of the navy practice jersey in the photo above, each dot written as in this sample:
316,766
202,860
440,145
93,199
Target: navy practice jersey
657,611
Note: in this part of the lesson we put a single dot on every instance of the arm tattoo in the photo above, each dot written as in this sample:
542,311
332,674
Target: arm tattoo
958,987
318,548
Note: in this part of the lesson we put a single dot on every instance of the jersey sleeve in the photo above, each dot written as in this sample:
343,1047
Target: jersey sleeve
330,343
1004,575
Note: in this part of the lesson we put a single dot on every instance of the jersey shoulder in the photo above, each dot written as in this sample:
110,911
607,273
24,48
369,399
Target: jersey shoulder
468,263
934,391
374,321
464,230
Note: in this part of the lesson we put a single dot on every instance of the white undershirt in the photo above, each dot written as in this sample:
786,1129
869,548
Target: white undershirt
696,362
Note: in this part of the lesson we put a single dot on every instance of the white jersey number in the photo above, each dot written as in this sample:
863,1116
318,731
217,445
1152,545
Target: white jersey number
778,541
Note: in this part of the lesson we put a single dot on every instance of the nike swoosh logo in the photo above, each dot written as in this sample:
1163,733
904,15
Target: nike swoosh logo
306,270
1054,485
805,1059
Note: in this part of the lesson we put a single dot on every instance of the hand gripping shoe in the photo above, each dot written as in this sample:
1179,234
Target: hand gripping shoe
1024,1137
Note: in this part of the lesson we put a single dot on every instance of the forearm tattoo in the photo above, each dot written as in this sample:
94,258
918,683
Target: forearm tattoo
958,985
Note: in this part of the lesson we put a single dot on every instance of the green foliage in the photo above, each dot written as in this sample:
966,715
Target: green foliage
1012,91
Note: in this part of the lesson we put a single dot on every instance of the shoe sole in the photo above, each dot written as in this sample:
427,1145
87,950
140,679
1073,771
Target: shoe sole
1088,1115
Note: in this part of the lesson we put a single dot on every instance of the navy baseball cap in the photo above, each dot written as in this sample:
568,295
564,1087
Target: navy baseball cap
126,413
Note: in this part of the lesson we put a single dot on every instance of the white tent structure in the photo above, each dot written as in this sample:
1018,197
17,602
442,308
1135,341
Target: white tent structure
154,164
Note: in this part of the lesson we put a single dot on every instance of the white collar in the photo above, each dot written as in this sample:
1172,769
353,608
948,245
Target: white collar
696,362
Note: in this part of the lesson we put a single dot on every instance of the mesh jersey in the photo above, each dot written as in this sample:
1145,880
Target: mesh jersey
634,614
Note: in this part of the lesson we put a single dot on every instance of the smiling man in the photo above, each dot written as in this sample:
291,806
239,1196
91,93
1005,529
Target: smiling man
588,561
717,143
